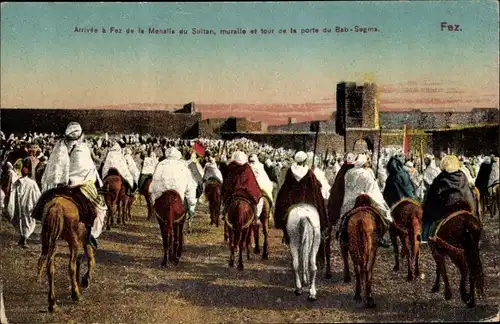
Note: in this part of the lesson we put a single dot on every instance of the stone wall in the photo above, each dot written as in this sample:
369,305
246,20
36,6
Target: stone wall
163,123
468,141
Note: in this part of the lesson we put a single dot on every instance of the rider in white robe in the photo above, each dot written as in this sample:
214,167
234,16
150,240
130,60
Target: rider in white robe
23,198
265,184
430,173
211,170
71,164
320,175
360,180
132,166
173,174
115,159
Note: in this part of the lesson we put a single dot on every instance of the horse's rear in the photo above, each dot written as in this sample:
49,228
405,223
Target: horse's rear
457,237
239,219
407,225
363,230
171,218
112,192
304,231
61,220
213,190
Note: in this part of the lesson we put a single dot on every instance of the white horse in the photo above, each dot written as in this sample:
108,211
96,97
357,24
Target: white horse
304,230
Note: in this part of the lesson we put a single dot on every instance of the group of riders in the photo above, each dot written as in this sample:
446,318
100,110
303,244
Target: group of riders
37,167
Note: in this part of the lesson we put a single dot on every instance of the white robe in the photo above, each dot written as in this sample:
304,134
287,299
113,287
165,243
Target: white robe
325,186
173,174
212,171
132,167
149,165
115,159
494,175
265,184
24,196
360,180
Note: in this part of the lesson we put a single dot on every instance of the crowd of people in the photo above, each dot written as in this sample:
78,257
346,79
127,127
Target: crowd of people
33,164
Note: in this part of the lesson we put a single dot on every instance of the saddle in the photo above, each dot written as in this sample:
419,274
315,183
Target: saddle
241,194
86,209
382,224
213,180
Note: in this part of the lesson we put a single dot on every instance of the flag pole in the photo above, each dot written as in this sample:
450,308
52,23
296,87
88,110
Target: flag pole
316,124
378,150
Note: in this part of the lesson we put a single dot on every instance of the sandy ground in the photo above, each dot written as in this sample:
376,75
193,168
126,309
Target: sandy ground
129,286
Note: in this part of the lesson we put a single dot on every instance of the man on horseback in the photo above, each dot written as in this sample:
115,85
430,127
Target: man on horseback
449,187
265,184
173,174
70,172
240,181
398,185
148,168
360,180
300,186
116,160
430,173
132,167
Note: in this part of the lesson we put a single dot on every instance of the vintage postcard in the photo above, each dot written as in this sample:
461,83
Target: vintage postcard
229,162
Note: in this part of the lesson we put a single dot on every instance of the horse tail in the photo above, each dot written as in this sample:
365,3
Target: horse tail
52,228
364,247
307,240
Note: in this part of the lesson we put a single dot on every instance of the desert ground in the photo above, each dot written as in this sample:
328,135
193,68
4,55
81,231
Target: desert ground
129,286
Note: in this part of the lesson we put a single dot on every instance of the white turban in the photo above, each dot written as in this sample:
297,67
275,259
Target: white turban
239,157
73,131
409,164
253,158
350,158
361,160
300,157
173,154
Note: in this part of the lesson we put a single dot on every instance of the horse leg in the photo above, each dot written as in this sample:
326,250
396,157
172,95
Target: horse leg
416,256
241,245
312,262
248,241
328,252
232,245
394,241
440,262
72,267
226,234
409,248
370,303
89,251
357,272
345,257
51,271
124,209
255,230
437,259
164,237
181,240
294,252
265,231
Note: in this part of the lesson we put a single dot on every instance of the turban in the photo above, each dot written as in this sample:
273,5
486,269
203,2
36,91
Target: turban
300,157
350,158
73,131
253,158
450,164
173,153
409,164
239,157
361,160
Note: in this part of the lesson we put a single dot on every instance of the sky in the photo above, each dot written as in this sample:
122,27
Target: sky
46,64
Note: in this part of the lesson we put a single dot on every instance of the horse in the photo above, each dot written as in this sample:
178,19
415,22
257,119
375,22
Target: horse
213,189
115,196
144,191
363,228
407,225
493,198
303,228
171,218
457,236
240,215
61,219
264,218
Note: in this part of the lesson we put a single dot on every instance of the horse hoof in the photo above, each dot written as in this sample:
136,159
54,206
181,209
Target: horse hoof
85,282
435,289
347,279
409,278
265,257
76,297
240,267
312,298
231,264
256,251
370,303
298,291
357,298
395,269
328,276
176,261
164,264
447,295
53,309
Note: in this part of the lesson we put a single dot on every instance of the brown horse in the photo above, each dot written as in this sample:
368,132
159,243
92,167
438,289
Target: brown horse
171,218
264,218
457,236
62,220
213,189
144,191
240,216
407,225
115,195
364,227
